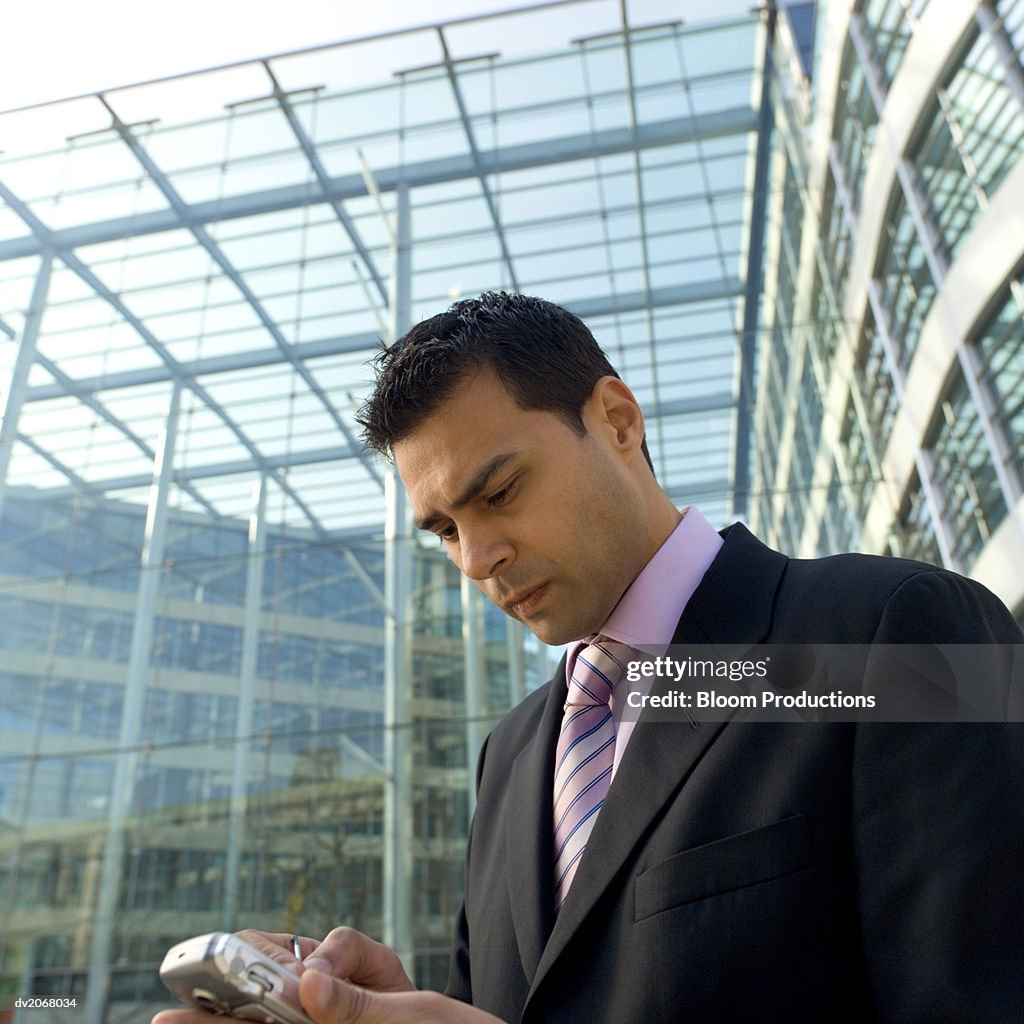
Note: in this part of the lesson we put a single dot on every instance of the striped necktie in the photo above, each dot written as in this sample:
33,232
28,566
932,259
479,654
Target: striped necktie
584,756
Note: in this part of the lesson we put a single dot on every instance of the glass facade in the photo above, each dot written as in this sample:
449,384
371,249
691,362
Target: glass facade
235,690
258,760
1001,345
881,402
914,536
889,24
972,502
906,282
973,138
857,122
887,296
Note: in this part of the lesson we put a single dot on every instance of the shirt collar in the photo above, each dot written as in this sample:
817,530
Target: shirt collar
649,611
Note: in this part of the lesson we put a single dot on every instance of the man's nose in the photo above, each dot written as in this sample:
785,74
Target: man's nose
484,552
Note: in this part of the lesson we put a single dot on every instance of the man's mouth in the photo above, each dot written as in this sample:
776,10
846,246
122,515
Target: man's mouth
522,604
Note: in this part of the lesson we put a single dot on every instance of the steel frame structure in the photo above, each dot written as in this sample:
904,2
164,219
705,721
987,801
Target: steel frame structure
672,293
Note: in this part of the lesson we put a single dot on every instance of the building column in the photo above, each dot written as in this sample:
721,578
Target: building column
123,790
754,280
473,679
399,553
15,397
547,661
516,671
255,562
22,1016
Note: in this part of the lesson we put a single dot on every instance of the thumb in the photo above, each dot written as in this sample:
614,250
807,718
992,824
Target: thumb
332,1001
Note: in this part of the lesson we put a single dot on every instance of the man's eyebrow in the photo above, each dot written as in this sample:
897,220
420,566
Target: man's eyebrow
477,484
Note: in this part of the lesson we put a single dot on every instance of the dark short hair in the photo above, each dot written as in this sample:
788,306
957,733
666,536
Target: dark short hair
544,355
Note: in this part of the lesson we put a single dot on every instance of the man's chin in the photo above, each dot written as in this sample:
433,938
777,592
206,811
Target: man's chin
554,634
542,621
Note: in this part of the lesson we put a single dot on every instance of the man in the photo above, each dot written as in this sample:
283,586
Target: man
725,871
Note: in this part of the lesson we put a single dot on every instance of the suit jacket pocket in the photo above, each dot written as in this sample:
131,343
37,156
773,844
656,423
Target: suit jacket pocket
724,865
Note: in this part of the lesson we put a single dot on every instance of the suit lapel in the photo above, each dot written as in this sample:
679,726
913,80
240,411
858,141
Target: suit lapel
735,600
528,831
659,758
733,604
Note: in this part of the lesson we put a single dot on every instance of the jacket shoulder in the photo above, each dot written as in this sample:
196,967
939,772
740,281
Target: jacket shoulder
877,597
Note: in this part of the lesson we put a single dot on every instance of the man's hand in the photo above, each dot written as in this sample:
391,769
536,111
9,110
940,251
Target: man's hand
347,954
330,1001
343,954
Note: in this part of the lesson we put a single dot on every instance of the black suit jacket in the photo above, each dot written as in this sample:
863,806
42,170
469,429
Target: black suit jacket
764,871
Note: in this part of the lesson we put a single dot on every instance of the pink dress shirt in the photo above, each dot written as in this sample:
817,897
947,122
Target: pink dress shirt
649,611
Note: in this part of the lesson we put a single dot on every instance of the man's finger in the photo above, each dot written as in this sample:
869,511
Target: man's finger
346,953
182,1017
278,946
331,1001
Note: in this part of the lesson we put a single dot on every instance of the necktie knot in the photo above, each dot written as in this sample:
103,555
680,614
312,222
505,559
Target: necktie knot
597,670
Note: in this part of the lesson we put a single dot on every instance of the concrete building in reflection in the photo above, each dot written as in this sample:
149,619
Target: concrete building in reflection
234,688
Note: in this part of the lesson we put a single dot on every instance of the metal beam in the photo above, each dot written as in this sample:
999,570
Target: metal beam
368,582
993,25
399,554
642,211
71,391
73,263
670,132
122,798
306,145
604,305
754,282
212,365
16,387
318,456
255,562
78,484
471,599
399,563
674,295
340,47
700,490
203,237
516,668
266,464
688,406
474,151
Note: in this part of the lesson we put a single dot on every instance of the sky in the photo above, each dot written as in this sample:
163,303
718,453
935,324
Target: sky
54,49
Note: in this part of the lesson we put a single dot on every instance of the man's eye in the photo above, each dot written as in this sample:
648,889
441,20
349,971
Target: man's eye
447,534
500,497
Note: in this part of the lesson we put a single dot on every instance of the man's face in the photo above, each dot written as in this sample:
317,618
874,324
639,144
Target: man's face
547,523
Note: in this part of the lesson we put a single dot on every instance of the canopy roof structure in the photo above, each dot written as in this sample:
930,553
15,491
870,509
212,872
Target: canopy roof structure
236,243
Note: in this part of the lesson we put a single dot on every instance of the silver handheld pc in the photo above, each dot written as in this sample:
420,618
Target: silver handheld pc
222,974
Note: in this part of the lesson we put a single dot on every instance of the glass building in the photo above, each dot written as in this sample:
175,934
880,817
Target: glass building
890,402
235,689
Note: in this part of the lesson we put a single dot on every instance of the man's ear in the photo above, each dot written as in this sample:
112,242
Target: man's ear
616,414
